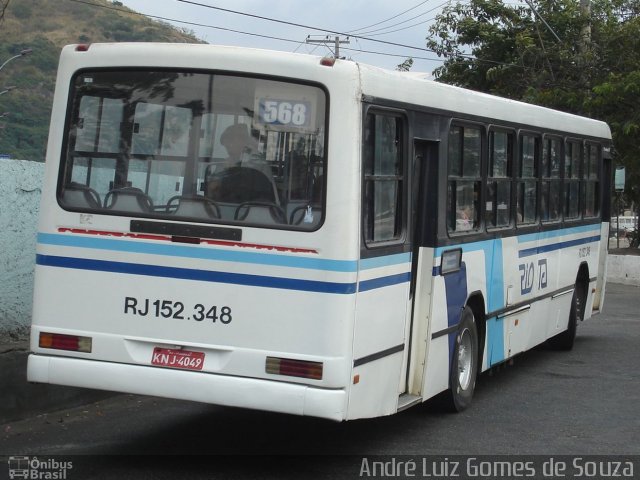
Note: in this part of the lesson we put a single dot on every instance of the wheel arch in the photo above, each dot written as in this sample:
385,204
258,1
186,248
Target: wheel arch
477,304
582,287
583,273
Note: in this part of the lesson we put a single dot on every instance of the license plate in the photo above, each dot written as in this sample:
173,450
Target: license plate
168,357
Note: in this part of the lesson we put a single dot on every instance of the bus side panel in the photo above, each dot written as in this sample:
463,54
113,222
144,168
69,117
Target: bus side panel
436,378
450,294
601,284
379,337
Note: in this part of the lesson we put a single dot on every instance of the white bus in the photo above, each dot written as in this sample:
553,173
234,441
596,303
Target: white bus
295,234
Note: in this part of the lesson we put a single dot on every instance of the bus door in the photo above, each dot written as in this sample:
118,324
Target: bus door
607,176
423,208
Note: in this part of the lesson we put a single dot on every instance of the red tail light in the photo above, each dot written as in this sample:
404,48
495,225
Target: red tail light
294,368
59,341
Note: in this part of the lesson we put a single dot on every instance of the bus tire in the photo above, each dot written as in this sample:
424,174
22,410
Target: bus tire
464,364
566,339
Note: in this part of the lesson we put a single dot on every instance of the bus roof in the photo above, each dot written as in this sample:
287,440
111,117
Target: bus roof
413,89
374,82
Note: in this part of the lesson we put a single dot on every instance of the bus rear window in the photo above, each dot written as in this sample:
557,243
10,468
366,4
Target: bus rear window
195,147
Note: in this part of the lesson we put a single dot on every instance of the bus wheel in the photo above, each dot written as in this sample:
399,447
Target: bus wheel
464,365
566,339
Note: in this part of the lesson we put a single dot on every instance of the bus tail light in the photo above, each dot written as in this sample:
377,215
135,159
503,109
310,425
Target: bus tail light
327,61
59,341
294,368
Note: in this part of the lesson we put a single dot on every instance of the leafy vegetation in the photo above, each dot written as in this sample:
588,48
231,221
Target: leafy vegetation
584,62
46,26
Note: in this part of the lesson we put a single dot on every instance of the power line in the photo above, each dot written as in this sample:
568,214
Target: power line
406,21
390,18
335,32
308,27
464,56
298,43
195,24
400,29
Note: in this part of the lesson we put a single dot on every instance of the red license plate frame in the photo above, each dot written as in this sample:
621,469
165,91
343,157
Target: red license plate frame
174,358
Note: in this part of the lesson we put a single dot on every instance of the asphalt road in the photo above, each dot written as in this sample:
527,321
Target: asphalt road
583,402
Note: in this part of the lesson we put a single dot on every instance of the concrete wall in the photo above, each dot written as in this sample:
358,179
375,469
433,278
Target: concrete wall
20,187
623,269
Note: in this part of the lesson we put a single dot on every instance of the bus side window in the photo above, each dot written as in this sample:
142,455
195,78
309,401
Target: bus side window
551,202
383,180
463,192
498,203
527,193
591,180
572,161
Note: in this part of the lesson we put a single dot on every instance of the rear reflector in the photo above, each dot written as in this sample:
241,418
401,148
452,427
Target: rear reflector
58,341
294,368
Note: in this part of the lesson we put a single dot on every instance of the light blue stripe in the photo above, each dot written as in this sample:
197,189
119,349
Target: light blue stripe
495,341
173,250
385,261
495,281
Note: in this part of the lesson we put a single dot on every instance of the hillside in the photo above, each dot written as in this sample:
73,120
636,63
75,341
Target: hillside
46,26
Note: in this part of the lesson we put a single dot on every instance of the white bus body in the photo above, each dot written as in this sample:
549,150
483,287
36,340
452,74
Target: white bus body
354,311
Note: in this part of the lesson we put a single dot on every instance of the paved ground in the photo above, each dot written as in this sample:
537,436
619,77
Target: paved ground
547,403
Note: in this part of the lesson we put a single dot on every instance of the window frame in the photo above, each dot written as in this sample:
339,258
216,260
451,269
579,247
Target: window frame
508,178
571,180
477,180
402,179
549,179
122,168
520,180
587,179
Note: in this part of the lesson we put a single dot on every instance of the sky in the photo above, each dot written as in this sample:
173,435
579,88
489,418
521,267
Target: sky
403,22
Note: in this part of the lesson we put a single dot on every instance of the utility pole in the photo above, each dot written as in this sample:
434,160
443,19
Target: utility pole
585,32
328,40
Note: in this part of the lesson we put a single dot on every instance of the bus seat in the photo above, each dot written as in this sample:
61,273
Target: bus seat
195,206
80,195
259,212
128,199
307,215
241,184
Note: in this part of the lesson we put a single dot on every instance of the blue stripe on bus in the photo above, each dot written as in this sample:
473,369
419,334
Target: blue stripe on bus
532,237
381,282
199,275
557,246
173,250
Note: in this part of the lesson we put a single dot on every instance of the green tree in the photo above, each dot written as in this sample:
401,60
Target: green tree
586,63
405,66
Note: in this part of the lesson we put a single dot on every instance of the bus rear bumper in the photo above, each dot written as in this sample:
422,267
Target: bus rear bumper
231,391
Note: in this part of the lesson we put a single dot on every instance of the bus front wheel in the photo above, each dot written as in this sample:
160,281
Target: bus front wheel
464,364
